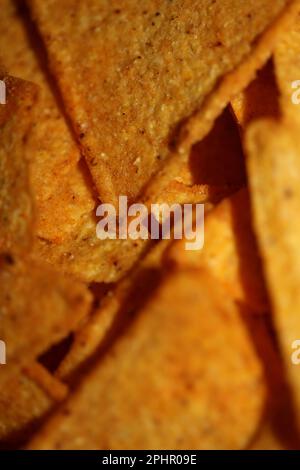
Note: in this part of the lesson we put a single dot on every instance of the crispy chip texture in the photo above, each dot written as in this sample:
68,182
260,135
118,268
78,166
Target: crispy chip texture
274,171
146,68
180,378
24,400
16,213
115,310
37,306
287,68
59,184
65,222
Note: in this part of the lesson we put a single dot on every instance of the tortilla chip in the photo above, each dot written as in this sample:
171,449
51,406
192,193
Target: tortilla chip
237,80
148,68
16,217
65,222
31,402
116,310
278,428
64,202
38,307
153,392
278,81
287,69
210,167
59,184
274,172
230,252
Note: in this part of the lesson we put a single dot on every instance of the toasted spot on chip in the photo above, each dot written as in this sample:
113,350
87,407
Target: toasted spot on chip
185,376
143,75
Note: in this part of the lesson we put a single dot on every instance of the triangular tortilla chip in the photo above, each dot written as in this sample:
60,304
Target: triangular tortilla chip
274,174
147,68
24,400
185,376
37,306
16,211
59,184
65,222
287,70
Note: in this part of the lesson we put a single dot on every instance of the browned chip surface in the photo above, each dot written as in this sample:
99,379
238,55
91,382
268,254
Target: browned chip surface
38,307
147,66
16,218
184,376
23,401
58,182
65,222
116,310
287,69
274,172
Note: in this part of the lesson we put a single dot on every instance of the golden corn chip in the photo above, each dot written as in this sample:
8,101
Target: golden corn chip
24,400
38,307
116,309
277,429
274,83
274,173
287,68
65,222
229,252
181,378
16,218
146,68
58,182
64,202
